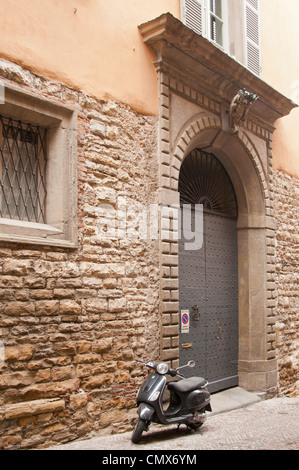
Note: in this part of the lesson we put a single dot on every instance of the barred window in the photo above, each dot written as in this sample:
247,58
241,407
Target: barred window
23,162
38,170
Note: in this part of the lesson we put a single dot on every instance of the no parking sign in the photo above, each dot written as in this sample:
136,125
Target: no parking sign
185,321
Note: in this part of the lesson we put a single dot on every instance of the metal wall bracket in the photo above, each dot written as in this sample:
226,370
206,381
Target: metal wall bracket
195,314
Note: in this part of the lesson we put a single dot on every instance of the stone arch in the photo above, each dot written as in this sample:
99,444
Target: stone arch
199,132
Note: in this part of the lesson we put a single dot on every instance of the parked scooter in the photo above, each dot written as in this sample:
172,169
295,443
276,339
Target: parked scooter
189,399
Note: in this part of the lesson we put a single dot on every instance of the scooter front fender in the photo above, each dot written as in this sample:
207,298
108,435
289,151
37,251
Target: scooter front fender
145,411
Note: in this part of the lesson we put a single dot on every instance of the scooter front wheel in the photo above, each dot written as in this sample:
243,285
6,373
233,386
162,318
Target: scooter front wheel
141,425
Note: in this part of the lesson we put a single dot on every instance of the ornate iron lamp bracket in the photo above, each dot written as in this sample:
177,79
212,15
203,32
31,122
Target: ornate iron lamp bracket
239,109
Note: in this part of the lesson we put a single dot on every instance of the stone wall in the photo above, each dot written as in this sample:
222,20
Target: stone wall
286,203
73,322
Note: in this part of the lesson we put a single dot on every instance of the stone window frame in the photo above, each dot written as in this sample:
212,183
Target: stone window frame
60,121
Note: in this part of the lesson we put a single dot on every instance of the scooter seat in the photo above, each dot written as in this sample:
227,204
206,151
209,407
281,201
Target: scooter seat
187,385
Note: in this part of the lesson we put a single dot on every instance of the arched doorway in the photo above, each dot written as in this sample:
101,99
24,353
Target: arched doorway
208,277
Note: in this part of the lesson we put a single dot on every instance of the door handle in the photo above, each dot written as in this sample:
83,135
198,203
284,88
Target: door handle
195,314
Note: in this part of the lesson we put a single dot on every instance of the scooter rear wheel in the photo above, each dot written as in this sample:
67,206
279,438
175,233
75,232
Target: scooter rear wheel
141,425
194,426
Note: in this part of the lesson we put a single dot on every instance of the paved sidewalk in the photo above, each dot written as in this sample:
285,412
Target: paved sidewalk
256,425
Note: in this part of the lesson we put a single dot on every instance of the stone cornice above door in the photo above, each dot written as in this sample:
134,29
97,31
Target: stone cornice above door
195,61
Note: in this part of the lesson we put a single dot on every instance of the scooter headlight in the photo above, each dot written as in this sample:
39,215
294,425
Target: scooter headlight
162,368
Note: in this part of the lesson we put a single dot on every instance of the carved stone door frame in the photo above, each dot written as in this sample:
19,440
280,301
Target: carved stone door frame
197,84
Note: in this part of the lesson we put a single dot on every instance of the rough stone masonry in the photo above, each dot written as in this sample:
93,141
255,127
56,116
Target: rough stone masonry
286,199
73,322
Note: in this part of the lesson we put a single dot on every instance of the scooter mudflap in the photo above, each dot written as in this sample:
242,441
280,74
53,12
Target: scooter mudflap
145,411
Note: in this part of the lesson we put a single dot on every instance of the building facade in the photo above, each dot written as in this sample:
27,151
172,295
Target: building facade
121,128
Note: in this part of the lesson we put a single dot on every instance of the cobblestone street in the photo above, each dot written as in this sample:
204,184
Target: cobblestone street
267,425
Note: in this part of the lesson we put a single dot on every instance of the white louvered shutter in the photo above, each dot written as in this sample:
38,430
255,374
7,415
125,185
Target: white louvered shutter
193,15
252,36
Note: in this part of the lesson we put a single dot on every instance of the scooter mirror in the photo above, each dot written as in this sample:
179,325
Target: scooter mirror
191,363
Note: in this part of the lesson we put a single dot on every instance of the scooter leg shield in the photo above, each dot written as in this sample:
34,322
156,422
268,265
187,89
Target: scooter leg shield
145,411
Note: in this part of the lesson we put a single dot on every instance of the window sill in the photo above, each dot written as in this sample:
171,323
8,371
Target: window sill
15,231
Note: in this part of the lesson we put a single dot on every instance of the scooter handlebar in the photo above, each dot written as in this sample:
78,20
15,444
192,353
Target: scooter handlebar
171,372
148,364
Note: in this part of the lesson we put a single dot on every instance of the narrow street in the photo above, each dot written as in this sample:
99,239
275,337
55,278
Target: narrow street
267,425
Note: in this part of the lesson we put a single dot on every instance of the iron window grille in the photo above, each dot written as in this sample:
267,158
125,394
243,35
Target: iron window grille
23,161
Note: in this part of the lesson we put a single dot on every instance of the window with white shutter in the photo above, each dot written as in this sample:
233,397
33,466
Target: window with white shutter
219,21
216,22
207,18
252,35
193,15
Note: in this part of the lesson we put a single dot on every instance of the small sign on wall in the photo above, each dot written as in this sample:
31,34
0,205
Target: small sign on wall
185,321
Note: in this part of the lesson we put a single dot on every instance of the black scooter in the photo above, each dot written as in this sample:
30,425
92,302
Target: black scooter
189,399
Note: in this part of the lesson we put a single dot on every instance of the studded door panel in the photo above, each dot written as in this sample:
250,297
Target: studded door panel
208,280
